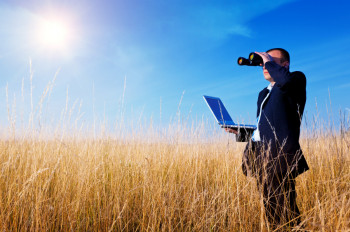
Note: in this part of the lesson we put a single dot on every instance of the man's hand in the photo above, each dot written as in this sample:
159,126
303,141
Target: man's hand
230,130
266,57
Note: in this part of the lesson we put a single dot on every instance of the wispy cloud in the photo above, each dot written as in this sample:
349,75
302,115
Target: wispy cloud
343,86
217,20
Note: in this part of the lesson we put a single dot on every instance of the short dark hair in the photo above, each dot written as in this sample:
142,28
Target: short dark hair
285,54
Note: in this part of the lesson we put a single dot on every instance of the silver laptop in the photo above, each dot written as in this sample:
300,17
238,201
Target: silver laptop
223,117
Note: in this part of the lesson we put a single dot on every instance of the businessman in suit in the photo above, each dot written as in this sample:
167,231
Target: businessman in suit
273,154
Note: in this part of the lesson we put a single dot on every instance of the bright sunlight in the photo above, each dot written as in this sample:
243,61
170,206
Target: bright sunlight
54,34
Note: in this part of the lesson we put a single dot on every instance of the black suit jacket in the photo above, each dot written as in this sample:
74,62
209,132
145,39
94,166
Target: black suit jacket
279,124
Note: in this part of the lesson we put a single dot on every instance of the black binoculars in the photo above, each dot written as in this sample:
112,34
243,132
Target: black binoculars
253,60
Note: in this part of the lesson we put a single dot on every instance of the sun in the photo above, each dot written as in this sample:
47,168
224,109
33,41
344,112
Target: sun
54,34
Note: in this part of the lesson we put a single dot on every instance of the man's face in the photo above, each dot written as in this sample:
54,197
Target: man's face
277,57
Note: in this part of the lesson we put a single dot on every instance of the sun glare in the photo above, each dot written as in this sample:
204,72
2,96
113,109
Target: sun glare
54,34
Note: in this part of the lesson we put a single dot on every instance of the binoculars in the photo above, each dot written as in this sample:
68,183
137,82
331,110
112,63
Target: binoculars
253,60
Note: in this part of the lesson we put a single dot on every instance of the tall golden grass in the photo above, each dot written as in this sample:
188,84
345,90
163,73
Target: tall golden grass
110,185
148,183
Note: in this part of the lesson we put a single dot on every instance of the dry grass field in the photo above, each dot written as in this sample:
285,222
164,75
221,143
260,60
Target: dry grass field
105,184
168,179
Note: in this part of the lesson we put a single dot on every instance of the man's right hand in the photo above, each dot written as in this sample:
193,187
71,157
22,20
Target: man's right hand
230,130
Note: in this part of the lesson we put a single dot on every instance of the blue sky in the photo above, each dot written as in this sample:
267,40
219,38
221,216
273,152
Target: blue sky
168,50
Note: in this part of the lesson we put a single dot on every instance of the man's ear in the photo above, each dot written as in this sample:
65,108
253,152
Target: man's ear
286,64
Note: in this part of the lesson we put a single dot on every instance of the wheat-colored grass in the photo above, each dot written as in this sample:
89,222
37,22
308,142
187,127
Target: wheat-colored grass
147,179
135,185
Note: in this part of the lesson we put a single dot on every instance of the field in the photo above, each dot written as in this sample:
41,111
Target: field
134,184
185,177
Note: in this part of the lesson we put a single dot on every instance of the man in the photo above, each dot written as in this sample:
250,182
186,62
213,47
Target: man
273,154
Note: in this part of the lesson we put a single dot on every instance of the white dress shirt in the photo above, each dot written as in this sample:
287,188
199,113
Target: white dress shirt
256,133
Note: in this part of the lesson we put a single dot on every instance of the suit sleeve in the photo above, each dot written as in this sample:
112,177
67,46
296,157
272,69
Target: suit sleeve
244,135
285,80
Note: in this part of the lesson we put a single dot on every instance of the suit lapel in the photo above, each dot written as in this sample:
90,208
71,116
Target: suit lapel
262,96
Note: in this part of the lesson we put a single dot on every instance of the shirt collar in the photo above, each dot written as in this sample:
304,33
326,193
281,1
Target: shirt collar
269,87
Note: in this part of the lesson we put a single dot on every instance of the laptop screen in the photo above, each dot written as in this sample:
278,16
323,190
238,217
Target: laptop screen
219,110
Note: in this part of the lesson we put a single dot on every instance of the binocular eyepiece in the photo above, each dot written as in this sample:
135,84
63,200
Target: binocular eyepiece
253,60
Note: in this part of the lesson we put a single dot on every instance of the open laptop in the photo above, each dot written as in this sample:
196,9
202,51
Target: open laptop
223,117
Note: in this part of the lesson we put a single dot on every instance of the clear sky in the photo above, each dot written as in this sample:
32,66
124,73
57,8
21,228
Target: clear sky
167,51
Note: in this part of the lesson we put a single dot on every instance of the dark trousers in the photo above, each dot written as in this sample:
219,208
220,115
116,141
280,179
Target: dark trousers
277,188
279,197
